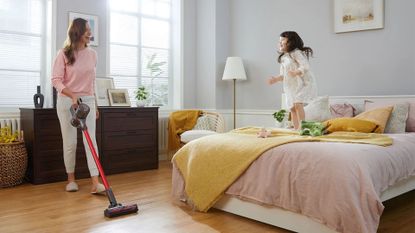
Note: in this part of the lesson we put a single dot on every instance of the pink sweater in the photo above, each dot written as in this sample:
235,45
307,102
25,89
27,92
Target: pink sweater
78,77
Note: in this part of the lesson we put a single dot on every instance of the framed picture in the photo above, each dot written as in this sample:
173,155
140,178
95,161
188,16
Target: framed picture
93,23
119,97
102,85
358,15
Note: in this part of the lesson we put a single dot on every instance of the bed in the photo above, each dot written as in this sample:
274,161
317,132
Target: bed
305,187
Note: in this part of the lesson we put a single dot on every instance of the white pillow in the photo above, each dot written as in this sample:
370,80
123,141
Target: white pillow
190,135
318,110
397,120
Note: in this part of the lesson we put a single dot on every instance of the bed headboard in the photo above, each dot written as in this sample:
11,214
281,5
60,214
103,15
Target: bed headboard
359,101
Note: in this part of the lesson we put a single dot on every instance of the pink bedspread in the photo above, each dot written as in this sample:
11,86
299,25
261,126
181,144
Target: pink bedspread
336,184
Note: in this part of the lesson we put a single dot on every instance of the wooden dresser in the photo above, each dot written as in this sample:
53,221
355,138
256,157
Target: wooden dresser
127,141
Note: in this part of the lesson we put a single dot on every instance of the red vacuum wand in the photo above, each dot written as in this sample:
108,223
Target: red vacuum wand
78,120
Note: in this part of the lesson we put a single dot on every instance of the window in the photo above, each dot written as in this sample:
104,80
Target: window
23,50
140,47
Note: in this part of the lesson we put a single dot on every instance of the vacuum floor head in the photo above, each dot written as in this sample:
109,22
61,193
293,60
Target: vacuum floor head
120,210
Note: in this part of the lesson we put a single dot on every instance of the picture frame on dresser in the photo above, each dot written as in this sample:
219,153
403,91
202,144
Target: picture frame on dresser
102,85
119,97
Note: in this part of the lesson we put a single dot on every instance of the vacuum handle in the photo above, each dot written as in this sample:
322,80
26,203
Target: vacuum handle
95,156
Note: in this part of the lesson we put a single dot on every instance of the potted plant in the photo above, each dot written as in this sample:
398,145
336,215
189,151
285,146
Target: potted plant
280,117
141,95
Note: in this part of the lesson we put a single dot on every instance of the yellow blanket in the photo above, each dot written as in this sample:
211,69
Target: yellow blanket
179,122
211,164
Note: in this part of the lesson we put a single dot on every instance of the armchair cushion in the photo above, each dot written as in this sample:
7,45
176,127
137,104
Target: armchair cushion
203,123
195,134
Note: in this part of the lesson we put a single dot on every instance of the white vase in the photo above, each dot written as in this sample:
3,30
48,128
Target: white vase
141,103
278,124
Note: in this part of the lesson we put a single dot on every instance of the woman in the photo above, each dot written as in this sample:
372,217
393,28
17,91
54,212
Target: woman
73,76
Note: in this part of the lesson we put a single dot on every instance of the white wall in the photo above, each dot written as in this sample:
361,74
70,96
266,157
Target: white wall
375,62
189,53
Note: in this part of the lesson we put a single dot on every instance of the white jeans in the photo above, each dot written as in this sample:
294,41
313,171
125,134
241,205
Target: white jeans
69,133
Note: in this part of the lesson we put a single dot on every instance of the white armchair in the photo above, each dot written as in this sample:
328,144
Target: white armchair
207,124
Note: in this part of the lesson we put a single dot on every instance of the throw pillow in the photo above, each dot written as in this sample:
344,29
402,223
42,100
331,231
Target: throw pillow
342,110
350,124
397,119
202,123
410,121
379,115
318,110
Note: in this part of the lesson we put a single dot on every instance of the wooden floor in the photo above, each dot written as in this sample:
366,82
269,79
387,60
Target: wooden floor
48,208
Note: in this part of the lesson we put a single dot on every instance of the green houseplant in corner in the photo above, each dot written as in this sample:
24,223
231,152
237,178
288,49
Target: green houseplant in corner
141,95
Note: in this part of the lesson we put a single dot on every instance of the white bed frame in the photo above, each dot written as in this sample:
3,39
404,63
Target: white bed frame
297,222
290,220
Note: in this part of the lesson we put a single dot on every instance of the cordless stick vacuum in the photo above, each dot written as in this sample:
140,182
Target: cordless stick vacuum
114,209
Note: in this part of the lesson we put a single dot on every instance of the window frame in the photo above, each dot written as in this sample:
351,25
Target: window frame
140,47
48,43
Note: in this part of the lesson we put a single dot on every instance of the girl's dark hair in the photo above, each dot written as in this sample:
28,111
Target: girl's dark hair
75,31
294,41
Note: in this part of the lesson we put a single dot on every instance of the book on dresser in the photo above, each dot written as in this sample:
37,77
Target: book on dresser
127,141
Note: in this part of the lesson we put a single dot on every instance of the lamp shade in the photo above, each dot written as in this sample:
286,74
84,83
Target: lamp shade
234,69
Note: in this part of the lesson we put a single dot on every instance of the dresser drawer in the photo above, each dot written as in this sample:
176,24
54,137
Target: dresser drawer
130,160
47,125
121,121
128,140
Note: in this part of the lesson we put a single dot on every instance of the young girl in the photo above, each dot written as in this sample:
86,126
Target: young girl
298,81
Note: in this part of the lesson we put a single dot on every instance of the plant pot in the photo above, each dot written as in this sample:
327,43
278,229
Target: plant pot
141,103
279,124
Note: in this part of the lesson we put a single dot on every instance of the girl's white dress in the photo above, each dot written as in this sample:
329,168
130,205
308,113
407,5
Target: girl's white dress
301,88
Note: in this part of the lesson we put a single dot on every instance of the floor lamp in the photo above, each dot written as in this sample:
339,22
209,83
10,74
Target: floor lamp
234,70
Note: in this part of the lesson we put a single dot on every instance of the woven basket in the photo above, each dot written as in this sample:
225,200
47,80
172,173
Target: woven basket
13,163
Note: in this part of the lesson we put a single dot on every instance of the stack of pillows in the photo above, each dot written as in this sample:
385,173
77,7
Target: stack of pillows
386,116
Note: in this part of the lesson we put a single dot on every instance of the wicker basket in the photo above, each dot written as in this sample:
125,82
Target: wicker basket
13,163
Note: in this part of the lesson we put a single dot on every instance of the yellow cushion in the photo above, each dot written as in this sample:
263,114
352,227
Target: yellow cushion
378,115
350,124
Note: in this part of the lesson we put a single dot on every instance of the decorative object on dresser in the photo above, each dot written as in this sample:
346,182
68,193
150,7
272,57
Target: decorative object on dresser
127,141
119,97
38,98
54,97
141,95
102,85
